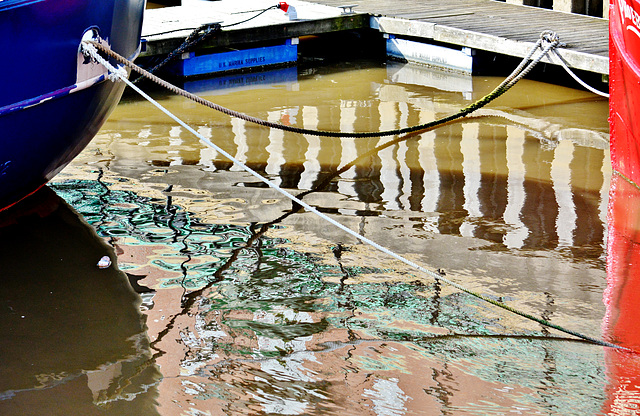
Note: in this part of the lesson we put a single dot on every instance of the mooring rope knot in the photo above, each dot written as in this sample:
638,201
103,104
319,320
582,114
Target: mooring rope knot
118,75
550,36
517,74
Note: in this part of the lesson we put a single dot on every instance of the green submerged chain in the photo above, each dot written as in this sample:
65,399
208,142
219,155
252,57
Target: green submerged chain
548,41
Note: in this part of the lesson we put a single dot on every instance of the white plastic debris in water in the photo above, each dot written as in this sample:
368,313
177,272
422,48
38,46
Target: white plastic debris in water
104,262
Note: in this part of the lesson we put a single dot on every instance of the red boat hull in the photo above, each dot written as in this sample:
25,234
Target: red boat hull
624,87
622,297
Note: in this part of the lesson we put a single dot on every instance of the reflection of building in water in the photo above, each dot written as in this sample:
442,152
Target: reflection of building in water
502,181
266,339
290,362
259,340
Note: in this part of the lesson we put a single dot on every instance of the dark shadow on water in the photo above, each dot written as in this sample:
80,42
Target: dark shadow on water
73,338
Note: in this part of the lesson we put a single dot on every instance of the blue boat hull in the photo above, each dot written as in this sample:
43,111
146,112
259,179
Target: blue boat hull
52,100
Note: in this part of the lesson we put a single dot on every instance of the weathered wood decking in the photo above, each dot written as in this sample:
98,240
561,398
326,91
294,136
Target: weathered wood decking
487,25
492,26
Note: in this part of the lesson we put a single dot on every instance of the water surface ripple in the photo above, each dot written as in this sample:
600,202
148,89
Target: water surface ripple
241,303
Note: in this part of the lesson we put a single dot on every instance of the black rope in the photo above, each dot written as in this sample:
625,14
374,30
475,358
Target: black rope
198,35
549,39
277,6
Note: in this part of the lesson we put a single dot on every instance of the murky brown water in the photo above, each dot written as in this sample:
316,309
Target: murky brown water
306,320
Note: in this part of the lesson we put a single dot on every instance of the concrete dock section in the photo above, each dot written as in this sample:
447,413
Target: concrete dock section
464,26
493,26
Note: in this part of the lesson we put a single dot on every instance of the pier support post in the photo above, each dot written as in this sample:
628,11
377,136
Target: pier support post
588,7
597,8
544,4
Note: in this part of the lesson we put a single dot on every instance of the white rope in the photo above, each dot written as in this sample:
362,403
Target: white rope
91,50
94,53
116,74
574,76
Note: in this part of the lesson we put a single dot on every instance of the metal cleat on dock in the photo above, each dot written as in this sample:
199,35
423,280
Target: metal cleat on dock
348,8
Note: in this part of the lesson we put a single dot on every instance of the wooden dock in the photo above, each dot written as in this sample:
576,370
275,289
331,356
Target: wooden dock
492,26
164,29
486,25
